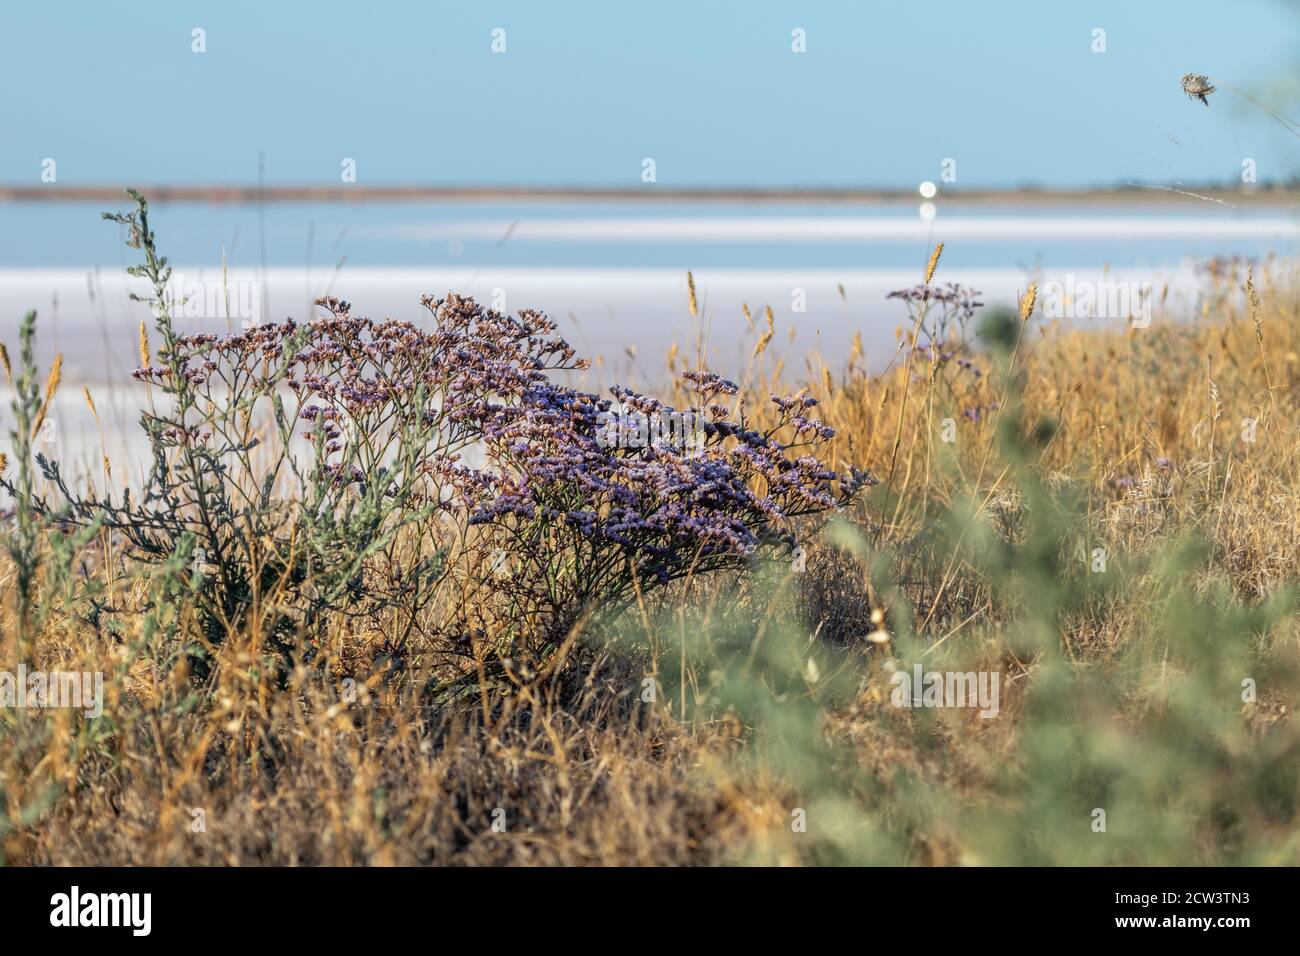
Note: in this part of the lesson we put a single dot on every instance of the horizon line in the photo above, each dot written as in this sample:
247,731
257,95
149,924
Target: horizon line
234,194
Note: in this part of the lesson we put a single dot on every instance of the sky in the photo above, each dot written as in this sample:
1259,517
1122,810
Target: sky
585,91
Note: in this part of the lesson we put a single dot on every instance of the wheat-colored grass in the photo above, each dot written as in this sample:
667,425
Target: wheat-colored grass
1147,434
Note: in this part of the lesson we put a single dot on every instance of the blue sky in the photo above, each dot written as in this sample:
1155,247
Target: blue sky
586,90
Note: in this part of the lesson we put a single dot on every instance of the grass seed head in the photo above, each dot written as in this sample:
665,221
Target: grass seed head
1198,86
933,263
1252,298
1028,301
51,389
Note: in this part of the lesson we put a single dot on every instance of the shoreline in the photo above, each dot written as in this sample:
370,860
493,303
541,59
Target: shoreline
236,194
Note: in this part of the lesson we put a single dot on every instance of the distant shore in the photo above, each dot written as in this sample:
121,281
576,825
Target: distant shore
233,194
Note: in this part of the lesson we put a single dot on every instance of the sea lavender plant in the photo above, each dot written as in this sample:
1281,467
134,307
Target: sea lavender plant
297,467
948,310
333,467
941,316
588,526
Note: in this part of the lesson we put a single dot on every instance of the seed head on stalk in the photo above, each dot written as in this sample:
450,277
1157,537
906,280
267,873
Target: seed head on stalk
1198,86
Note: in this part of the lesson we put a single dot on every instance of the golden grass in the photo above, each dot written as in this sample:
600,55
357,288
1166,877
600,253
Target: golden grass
933,263
1184,426
51,389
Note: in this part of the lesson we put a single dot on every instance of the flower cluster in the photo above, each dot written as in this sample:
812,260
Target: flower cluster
955,300
942,315
622,517
461,414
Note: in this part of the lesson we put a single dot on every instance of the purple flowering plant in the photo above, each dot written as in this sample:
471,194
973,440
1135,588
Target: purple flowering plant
941,316
347,466
590,526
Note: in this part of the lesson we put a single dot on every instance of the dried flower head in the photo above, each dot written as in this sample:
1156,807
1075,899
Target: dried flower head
1252,297
1197,86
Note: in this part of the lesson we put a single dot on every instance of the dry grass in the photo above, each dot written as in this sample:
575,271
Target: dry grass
1143,428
